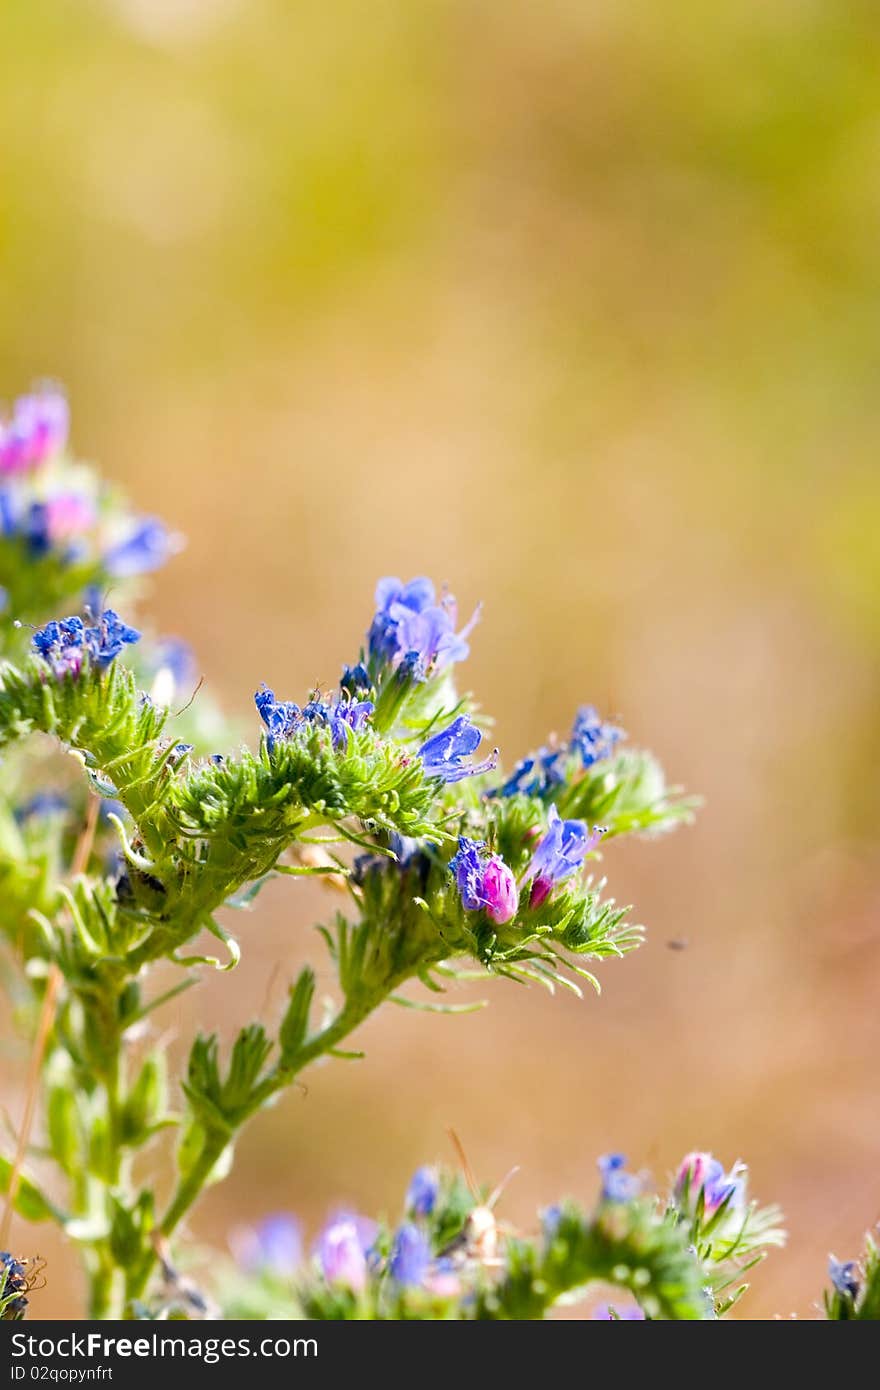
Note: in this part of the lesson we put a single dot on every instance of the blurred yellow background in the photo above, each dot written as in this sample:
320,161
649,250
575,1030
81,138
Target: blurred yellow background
576,305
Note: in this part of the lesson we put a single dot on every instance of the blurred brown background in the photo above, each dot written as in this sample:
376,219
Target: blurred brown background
574,305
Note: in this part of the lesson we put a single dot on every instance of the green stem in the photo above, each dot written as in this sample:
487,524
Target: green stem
191,1186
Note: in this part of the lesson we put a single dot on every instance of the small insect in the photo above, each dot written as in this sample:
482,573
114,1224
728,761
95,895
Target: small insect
678,944
481,1235
18,1278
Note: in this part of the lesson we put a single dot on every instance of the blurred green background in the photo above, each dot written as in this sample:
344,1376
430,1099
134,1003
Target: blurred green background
576,305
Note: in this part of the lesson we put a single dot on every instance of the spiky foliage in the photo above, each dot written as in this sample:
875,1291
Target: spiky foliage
353,786
449,1257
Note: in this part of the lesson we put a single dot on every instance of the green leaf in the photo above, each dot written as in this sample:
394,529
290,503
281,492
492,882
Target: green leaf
29,1202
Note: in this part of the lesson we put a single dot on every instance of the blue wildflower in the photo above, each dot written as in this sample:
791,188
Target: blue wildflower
410,1255
844,1275
593,738
13,1280
281,717
617,1184
535,775
274,1246
485,883
355,679
107,638
442,753
64,643
41,806
409,619
36,529
560,853
423,1190
347,717
147,547
408,854
550,1219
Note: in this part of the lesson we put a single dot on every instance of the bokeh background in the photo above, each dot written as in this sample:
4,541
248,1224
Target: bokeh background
576,305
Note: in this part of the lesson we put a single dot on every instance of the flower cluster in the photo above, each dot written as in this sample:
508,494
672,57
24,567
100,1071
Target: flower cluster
66,643
55,510
592,740
484,882
487,884
449,1257
344,715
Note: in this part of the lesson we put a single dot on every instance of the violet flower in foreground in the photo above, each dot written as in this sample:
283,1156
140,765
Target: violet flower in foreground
485,883
560,853
443,754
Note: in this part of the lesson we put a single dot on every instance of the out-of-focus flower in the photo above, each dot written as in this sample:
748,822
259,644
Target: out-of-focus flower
485,883
68,515
617,1184
559,854
535,775
37,430
844,1275
41,806
273,1246
421,1196
443,754
146,547
550,1219
442,1279
593,737
175,671
342,1250
410,1255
